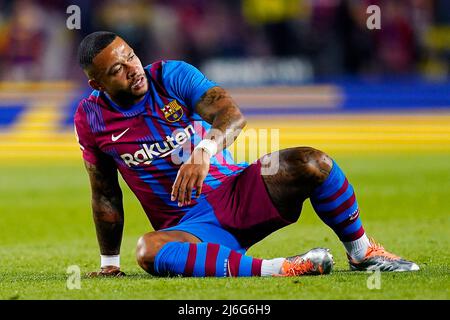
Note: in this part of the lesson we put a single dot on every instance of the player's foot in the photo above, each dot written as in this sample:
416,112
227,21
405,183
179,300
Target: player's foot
377,258
314,262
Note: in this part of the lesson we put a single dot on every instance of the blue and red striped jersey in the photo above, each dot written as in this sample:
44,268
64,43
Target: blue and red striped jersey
150,140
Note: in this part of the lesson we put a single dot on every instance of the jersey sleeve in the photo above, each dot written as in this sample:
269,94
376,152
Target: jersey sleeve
185,81
91,153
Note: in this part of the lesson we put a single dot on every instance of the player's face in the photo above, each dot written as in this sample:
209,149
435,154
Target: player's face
119,72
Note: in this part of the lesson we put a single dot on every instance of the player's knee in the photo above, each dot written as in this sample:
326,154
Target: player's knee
317,164
311,164
147,248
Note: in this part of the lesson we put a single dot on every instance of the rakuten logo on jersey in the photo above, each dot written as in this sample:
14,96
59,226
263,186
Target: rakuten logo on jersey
159,149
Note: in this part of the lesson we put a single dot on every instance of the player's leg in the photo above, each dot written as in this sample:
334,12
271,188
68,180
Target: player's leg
171,253
151,243
309,173
181,253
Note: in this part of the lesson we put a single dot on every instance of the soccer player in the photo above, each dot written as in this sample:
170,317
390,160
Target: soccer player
206,210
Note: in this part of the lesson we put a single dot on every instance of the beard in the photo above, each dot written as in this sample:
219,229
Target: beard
127,98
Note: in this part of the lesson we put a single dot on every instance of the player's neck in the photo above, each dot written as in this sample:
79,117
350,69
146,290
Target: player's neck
125,102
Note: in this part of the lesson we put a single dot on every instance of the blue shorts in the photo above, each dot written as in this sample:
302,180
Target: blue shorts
237,214
203,223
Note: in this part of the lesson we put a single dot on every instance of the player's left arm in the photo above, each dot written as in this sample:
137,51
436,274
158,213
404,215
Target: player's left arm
218,108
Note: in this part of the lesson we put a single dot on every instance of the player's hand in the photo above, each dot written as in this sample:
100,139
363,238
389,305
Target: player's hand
108,271
191,175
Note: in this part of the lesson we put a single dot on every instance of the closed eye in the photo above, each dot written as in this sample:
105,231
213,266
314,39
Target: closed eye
116,70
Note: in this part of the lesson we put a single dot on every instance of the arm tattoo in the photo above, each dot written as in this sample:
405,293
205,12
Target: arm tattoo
213,95
107,206
218,108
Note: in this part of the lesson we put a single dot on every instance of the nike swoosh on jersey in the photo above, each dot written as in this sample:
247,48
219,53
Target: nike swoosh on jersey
115,138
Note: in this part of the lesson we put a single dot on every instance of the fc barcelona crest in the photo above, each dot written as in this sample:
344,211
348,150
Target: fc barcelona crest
172,111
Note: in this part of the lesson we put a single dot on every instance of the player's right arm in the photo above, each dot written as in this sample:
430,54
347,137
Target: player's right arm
107,209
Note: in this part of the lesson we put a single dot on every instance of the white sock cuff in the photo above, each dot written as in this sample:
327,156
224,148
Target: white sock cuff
271,267
110,260
357,249
361,243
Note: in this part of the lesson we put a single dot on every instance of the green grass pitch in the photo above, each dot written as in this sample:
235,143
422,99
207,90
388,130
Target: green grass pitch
46,226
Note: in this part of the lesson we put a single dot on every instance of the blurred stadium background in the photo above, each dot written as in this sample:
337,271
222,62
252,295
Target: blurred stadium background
379,100
310,68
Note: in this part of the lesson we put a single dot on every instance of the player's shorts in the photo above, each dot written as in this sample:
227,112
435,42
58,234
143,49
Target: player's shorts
238,214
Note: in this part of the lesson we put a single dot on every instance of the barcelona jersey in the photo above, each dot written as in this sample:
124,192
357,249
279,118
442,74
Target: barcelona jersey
150,140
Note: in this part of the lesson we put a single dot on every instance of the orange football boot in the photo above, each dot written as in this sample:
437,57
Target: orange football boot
377,258
314,262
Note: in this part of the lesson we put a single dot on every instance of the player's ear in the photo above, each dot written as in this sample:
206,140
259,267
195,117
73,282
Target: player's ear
95,85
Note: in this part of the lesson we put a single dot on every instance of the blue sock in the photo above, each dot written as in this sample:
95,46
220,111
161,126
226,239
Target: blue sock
204,260
335,203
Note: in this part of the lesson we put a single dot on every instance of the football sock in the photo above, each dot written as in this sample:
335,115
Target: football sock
271,267
204,260
335,203
357,249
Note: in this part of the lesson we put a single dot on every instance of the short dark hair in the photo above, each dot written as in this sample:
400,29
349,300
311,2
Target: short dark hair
92,45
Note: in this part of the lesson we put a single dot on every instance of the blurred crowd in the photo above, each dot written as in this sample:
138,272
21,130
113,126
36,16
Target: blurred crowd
332,35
